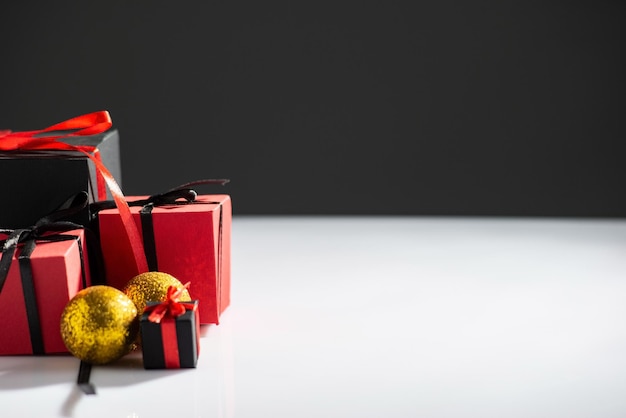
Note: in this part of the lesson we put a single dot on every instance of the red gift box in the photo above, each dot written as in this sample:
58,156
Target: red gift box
59,269
191,242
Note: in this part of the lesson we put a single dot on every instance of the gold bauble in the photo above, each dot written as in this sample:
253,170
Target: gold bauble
152,287
99,324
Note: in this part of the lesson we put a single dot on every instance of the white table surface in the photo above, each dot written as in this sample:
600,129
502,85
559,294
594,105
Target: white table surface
383,317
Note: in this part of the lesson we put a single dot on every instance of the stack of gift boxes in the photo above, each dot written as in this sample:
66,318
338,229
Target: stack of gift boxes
65,226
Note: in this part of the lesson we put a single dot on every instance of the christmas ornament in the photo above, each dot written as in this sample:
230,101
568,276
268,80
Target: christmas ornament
152,287
99,324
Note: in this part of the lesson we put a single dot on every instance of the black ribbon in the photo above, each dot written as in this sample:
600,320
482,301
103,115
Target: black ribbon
180,195
47,229
84,374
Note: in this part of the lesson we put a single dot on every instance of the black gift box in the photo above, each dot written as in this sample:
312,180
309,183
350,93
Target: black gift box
34,183
187,343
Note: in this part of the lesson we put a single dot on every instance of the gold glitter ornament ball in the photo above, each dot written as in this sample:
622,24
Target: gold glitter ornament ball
99,324
152,287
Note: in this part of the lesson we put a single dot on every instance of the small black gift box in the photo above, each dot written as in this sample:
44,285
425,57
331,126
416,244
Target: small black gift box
173,342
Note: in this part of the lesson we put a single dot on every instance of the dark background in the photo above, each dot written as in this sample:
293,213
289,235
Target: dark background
459,107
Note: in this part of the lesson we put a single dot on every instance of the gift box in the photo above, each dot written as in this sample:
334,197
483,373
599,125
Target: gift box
38,180
189,240
43,179
36,282
173,342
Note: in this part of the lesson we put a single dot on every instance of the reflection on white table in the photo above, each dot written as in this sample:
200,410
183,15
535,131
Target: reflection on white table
384,317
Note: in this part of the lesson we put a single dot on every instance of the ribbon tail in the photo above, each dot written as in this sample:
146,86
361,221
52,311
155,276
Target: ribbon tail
88,124
132,232
100,182
84,374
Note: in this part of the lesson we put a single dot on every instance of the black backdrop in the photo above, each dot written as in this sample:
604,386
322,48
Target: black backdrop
404,107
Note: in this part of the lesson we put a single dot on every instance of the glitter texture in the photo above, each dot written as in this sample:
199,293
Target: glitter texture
152,287
99,324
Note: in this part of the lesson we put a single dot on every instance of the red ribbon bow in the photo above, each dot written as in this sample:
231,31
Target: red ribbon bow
88,124
171,307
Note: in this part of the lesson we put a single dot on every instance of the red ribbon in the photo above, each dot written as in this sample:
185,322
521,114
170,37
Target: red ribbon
170,307
169,340
89,124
